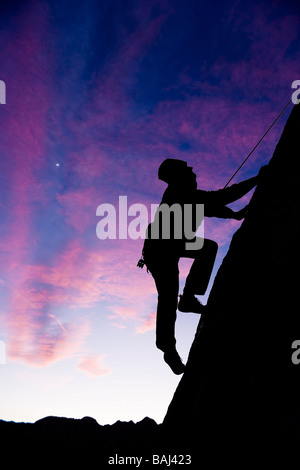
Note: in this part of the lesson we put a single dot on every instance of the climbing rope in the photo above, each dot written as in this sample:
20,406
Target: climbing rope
281,112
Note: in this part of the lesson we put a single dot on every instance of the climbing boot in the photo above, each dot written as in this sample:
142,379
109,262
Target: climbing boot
173,360
190,304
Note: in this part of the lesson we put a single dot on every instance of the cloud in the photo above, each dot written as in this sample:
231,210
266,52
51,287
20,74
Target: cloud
39,342
42,317
78,207
221,231
134,313
109,144
93,366
41,326
147,324
124,312
122,315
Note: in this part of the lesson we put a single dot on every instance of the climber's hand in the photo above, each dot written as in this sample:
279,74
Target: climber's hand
263,172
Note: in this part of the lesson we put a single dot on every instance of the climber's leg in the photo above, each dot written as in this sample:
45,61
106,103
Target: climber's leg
199,275
166,277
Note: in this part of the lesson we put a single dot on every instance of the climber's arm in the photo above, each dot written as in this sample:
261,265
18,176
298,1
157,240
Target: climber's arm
224,212
232,193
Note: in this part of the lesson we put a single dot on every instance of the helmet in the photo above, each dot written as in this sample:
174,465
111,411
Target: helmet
170,169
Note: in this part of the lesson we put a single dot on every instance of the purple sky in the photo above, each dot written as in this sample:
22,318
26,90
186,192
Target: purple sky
107,90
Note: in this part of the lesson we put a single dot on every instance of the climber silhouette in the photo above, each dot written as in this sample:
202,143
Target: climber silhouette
161,253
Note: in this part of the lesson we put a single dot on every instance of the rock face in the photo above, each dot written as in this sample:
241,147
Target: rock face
240,384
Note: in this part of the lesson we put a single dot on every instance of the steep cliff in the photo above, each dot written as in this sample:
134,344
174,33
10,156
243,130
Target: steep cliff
241,385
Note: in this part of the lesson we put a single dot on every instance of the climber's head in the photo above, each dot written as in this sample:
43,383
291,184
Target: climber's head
175,171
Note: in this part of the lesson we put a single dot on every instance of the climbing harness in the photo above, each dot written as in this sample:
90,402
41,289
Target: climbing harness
141,262
281,112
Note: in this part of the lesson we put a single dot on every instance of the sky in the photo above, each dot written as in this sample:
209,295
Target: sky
98,94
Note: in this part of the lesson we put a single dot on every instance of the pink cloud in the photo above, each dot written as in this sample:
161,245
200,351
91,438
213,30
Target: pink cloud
124,312
134,304
79,277
220,129
111,146
221,231
78,208
148,324
74,278
267,67
40,341
36,335
93,366
143,321
41,318
121,279
107,125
